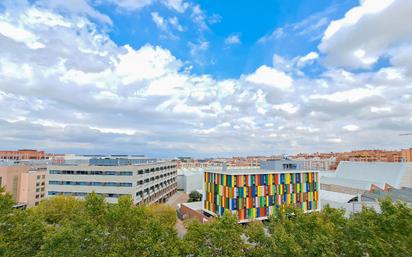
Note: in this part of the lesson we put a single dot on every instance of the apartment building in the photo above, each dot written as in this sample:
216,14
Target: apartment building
406,155
26,184
112,178
23,154
257,193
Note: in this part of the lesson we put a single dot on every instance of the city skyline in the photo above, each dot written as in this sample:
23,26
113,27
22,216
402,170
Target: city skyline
174,78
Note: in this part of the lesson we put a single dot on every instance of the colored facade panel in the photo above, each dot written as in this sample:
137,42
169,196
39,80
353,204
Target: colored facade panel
256,196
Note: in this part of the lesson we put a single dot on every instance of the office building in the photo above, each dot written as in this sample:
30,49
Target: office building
146,182
257,193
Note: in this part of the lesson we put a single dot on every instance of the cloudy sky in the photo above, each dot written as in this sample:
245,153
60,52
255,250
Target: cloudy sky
205,78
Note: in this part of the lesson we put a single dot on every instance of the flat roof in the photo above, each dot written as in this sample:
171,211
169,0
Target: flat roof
255,171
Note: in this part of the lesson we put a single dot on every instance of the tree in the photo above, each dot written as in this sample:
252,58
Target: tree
6,201
195,196
220,237
59,209
21,234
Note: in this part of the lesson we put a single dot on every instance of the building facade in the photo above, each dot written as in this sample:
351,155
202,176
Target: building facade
145,182
256,194
190,180
23,154
25,183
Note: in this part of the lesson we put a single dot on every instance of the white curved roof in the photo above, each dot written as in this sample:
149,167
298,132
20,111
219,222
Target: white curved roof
362,175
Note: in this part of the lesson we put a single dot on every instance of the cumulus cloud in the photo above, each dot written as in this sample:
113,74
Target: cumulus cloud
95,96
366,33
271,77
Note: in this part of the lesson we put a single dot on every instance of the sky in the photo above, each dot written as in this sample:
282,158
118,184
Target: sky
169,78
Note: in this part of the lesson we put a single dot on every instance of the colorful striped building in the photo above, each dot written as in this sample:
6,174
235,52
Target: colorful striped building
255,194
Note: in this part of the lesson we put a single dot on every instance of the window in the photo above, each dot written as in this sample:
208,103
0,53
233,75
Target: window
87,183
38,177
92,172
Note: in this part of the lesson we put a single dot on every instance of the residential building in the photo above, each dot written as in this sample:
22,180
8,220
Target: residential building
23,154
406,155
146,182
257,193
25,183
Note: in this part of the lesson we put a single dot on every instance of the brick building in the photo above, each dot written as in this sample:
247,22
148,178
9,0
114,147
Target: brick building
23,154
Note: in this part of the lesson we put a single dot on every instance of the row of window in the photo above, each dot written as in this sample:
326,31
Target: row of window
146,171
91,172
83,183
147,180
83,194
157,186
109,173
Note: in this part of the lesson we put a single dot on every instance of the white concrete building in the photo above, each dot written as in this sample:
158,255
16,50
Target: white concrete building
190,179
357,177
146,183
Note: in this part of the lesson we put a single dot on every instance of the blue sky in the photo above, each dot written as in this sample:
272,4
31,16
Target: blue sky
247,20
173,78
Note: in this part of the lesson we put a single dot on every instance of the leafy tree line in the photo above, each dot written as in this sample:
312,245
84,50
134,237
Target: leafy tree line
65,226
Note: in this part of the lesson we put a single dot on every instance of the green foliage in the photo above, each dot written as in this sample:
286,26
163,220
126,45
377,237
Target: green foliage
220,237
65,226
6,202
195,196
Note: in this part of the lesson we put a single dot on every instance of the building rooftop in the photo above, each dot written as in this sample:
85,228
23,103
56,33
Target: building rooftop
250,171
403,194
363,175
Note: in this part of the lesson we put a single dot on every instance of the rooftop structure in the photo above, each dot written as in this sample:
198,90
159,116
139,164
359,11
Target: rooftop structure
120,160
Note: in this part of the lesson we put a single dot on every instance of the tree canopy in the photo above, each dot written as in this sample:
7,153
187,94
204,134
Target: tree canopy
66,226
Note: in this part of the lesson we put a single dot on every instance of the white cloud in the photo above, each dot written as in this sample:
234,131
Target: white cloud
270,77
146,63
350,96
174,21
366,32
232,40
286,107
159,21
177,5
76,7
20,35
335,140
132,5
350,127
310,57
